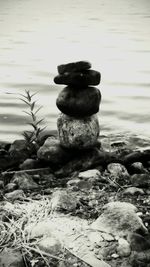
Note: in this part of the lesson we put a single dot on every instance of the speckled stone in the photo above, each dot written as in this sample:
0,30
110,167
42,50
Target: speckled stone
79,103
78,133
80,79
74,66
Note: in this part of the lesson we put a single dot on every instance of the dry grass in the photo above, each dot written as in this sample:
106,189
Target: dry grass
16,218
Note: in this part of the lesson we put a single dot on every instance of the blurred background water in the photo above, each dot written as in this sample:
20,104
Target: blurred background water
38,35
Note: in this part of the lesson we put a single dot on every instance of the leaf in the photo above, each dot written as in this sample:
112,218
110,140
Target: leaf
37,110
38,122
33,125
27,112
32,105
25,101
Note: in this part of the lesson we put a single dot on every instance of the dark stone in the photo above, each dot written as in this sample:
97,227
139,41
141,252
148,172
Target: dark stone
137,156
79,103
85,160
20,151
141,180
52,152
74,66
138,242
80,79
24,181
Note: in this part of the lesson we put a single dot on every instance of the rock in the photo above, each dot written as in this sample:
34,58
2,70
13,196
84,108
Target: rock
138,242
141,180
24,181
137,167
117,170
133,191
16,194
119,218
10,187
19,150
29,164
40,229
84,161
79,79
95,237
1,184
74,66
78,133
79,103
123,249
107,237
63,200
78,184
53,152
50,245
89,174
140,259
11,258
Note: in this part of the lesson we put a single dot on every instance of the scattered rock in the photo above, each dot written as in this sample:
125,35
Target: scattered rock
11,258
1,184
20,151
141,180
50,245
53,152
78,184
123,249
10,187
24,181
74,66
73,102
133,191
16,194
29,164
80,79
78,133
119,218
137,167
90,174
117,170
63,200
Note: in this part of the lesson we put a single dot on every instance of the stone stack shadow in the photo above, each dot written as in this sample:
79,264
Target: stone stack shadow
78,125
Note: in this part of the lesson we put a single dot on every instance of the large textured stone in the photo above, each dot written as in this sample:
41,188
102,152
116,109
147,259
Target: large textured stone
80,79
74,66
79,103
119,218
78,133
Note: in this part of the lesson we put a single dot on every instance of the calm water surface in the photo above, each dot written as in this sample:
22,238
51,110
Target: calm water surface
38,35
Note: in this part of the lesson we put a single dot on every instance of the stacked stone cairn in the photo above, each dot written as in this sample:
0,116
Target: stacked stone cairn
78,125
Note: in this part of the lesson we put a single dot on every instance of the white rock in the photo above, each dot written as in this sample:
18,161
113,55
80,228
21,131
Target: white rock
117,170
123,249
50,245
78,133
119,218
90,174
133,191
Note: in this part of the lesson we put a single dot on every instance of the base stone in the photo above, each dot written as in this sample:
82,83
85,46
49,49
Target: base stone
78,133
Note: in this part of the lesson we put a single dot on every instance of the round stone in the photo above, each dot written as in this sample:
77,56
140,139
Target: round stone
74,66
80,79
78,133
79,103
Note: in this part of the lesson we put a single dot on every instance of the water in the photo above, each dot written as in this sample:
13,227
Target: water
114,36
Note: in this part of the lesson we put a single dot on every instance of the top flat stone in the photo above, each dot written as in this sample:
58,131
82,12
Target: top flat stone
74,66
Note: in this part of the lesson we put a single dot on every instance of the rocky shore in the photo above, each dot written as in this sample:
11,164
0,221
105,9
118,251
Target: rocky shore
76,198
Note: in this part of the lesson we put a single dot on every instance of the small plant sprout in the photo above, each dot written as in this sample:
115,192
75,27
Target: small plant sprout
32,137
